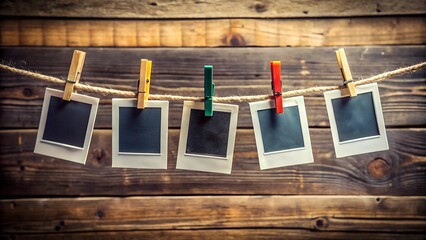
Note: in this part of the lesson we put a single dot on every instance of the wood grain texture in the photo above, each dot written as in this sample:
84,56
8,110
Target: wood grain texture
238,71
378,195
213,234
166,9
399,171
214,32
319,213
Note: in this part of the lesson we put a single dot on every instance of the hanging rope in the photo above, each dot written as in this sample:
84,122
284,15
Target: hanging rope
252,98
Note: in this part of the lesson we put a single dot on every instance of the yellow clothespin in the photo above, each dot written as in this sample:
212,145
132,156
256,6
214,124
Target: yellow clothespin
144,82
74,73
346,72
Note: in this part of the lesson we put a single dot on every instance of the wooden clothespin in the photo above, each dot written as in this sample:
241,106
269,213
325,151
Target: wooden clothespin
276,85
74,73
346,72
208,90
144,82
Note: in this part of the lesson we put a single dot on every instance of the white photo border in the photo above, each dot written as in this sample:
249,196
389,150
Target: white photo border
361,145
286,157
64,151
206,163
139,160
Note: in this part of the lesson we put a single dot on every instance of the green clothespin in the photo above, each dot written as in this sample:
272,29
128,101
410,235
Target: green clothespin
208,90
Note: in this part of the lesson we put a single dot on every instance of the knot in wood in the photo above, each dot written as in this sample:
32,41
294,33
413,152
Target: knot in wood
100,214
259,7
27,92
321,223
234,39
99,154
379,168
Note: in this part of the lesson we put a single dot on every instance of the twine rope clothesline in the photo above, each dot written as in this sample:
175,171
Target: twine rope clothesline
251,98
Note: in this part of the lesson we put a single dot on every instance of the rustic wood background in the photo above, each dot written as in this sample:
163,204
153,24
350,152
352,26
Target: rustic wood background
372,196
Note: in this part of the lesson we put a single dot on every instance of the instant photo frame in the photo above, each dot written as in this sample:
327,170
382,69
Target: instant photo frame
356,123
281,139
139,136
207,143
66,127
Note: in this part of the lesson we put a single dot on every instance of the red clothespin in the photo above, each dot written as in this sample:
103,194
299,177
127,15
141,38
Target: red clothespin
276,85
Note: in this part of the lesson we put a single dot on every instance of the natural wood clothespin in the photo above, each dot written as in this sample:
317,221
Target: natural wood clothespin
144,82
74,73
346,72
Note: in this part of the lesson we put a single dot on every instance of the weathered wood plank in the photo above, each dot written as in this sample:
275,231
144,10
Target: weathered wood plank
241,71
320,213
213,33
399,171
213,234
209,8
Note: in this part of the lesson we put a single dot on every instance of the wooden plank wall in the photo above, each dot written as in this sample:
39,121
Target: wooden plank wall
371,196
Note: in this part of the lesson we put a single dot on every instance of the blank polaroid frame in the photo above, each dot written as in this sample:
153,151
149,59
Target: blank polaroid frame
66,127
139,136
281,139
357,124
207,143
